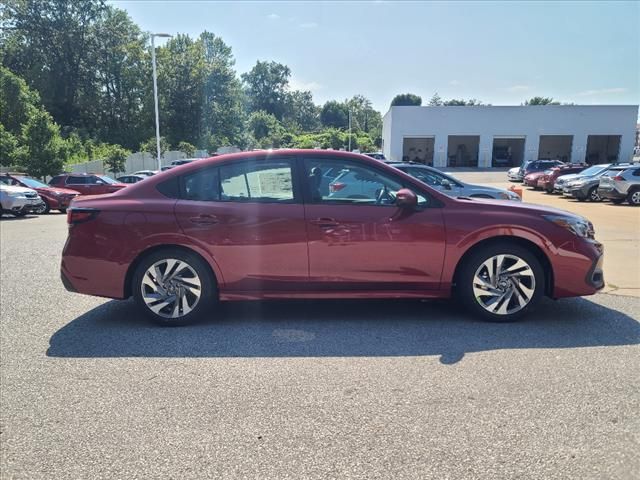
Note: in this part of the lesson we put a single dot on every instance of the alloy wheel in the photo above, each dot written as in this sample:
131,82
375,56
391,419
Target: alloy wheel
504,284
635,197
593,196
171,288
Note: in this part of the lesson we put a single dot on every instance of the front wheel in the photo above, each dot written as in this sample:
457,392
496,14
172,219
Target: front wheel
593,194
43,209
174,287
500,283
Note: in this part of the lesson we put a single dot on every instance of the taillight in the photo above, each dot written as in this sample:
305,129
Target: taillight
81,215
619,178
336,187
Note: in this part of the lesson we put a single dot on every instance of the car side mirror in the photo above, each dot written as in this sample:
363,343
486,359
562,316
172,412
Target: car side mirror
405,198
446,184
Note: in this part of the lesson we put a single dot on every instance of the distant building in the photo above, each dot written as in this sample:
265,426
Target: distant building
493,136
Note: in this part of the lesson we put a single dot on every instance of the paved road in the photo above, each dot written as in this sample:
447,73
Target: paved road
383,390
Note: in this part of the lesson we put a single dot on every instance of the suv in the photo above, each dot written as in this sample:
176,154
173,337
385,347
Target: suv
53,198
87,183
517,174
624,185
564,180
18,201
547,181
586,188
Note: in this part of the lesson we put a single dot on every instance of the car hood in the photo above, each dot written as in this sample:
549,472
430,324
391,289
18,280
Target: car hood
516,207
62,191
514,170
16,189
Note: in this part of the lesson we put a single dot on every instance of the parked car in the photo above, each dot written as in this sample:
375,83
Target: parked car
87,183
18,201
254,225
146,173
624,185
531,166
53,198
586,188
452,186
531,179
376,155
563,180
166,167
130,178
547,181
182,161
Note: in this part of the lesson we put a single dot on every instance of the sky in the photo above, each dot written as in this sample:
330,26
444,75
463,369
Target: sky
498,52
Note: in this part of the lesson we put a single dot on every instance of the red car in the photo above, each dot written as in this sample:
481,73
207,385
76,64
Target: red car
87,183
54,198
261,225
531,179
548,180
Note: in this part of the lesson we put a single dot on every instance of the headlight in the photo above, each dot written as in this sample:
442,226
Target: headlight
576,225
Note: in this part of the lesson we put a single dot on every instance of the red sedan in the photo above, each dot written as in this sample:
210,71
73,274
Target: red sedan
54,198
87,183
257,225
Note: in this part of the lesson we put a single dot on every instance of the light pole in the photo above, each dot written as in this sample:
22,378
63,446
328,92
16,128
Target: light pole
349,129
155,90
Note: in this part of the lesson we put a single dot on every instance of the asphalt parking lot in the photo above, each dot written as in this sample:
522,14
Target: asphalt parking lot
397,389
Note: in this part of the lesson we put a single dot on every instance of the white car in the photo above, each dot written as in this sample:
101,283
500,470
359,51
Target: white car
514,174
18,201
145,173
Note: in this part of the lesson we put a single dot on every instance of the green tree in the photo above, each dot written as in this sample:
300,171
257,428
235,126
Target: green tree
436,100
406,99
334,114
48,42
186,148
301,111
44,150
116,158
8,147
151,148
17,101
265,129
541,101
266,88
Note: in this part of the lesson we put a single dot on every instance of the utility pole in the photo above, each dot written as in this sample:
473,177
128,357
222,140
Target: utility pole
155,91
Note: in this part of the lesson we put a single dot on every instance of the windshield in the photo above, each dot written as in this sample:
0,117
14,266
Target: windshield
106,179
32,182
593,170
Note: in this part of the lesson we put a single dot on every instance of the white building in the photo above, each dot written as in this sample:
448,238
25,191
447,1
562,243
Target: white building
504,136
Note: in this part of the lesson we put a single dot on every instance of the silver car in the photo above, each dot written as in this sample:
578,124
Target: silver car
594,170
624,185
452,186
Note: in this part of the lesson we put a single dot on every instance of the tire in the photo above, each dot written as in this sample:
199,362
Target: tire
44,209
593,195
19,214
183,287
504,295
634,198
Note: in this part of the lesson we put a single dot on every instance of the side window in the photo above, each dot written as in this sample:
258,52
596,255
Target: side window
71,180
55,180
354,183
203,185
261,181
636,172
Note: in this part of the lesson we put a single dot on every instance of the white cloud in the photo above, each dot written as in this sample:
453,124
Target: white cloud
273,16
518,88
455,83
296,84
602,91
308,25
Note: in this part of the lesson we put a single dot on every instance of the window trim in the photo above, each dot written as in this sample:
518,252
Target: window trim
413,184
297,197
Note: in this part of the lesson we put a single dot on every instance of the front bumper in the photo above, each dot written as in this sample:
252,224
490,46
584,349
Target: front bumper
578,269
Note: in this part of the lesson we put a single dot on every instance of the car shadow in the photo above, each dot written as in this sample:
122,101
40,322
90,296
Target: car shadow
340,329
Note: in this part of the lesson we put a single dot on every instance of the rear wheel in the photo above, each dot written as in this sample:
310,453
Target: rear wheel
634,198
501,282
174,287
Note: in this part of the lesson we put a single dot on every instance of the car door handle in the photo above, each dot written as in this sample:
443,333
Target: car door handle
325,222
204,220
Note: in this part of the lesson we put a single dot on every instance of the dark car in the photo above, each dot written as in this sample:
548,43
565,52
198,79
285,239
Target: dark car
53,198
538,166
255,225
130,179
87,183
